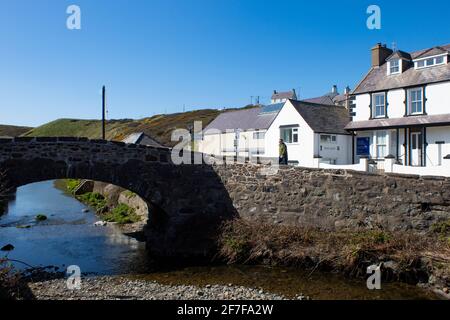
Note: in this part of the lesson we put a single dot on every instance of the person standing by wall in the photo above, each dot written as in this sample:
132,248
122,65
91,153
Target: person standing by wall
283,153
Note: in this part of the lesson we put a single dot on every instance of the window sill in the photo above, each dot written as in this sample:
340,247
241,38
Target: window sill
416,114
379,117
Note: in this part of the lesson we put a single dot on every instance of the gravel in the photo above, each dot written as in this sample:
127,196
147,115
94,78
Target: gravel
119,288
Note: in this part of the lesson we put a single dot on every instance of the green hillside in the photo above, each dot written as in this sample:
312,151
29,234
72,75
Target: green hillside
12,131
159,126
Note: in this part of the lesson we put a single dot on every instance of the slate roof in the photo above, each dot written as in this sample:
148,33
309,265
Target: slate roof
284,95
323,118
432,52
142,139
329,99
248,119
399,54
320,100
441,119
378,80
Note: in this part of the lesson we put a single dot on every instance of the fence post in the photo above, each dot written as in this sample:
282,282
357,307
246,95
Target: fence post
364,162
389,162
446,165
316,162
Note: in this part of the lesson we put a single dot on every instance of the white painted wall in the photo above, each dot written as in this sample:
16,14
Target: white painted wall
438,102
222,143
303,151
362,107
339,152
437,95
396,103
434,157
438,98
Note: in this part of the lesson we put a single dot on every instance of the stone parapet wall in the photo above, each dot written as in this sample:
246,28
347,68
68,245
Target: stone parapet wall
337,199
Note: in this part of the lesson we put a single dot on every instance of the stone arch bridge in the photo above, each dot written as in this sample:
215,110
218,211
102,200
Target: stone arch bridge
188,203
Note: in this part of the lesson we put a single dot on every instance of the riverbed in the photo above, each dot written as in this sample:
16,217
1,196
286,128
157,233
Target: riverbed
113,261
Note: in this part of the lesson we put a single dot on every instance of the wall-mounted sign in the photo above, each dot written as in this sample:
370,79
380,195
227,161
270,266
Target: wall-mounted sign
363,146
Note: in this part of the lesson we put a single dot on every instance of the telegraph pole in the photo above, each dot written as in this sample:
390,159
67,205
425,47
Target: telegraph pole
103,113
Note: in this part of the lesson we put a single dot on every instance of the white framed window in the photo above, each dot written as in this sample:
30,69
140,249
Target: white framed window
328,138
381,144
379,105
289,134
394,66
439,60
415,101
259,135
430,62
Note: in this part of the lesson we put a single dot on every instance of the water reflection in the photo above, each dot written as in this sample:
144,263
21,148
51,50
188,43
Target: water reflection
67,237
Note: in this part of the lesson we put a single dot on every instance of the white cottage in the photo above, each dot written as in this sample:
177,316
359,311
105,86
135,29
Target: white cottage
311,131
401,108
239,133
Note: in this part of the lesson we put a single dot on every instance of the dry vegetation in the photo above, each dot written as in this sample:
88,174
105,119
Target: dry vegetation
414,256
9,280
13,131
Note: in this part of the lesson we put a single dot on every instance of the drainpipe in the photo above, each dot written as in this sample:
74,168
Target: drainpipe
353,147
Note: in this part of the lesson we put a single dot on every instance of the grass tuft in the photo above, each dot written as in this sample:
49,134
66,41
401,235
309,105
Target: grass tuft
122,214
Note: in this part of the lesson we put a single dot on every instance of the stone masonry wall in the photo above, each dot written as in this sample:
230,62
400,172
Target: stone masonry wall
337,199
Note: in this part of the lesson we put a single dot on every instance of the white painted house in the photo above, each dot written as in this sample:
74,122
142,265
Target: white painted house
311,131
402,108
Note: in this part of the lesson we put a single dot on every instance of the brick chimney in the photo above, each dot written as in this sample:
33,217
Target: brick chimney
379,54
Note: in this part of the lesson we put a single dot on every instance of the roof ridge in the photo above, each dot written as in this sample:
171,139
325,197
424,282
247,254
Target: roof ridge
362,80
422,51
317,104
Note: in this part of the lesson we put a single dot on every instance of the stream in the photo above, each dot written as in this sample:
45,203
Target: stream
69,237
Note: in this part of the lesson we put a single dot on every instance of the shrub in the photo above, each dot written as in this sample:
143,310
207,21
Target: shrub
122,214
72,184
442,228
94,200
9,280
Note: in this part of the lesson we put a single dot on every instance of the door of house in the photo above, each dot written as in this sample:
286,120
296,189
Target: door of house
416,148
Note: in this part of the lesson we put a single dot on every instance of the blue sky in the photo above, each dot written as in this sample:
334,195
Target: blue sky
155,56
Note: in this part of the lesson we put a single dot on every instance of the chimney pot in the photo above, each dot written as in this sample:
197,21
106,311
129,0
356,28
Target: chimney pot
334,89
347,90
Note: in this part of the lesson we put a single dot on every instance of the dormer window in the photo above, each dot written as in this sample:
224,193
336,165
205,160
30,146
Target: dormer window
439,60
394,66
430,62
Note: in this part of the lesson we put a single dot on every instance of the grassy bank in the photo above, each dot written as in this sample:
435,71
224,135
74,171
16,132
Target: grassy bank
121,214
407,257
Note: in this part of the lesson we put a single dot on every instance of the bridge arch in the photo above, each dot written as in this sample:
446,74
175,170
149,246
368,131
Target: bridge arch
187,202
